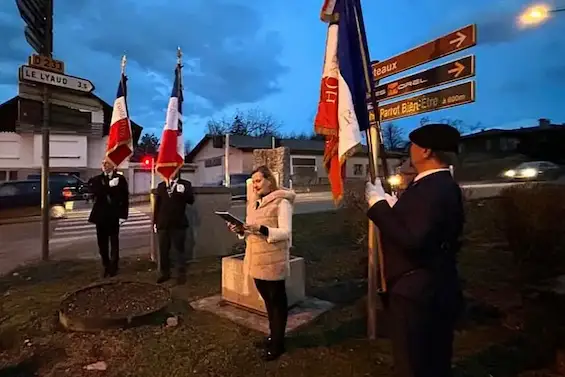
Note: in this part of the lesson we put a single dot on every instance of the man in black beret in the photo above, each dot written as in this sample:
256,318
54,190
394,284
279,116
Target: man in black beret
420,239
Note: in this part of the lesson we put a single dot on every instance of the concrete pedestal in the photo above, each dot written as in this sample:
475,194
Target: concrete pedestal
234,289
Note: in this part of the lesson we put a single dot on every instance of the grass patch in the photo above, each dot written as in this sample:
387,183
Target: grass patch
206,345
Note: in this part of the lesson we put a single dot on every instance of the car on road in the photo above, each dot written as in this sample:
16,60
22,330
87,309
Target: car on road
534,171
78,188
238,185
23,199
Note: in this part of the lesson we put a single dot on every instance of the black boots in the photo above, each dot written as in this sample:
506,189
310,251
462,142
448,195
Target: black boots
271,351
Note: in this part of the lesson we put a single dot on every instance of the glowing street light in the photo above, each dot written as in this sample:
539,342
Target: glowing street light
536,14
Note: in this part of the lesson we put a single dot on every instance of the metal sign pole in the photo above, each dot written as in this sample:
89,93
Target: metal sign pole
45,202
45,177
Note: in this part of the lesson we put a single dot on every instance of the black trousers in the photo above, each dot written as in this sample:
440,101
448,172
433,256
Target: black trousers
274,294
422,336
168,239
107,236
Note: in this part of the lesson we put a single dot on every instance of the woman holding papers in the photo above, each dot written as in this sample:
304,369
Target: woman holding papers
268,236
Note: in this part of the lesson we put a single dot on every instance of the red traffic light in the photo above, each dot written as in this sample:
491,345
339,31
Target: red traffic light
147,161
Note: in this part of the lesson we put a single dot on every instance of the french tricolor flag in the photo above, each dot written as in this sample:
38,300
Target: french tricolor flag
120,142
342,110
171,151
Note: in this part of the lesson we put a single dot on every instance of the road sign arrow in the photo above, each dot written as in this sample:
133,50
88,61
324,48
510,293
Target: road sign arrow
55,79
457,70
448,44
451,71
459,40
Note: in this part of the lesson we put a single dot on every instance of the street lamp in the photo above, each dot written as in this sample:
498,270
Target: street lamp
536,14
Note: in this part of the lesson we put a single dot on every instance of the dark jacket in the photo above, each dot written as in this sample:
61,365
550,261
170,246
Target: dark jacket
110,203
421,237
170,210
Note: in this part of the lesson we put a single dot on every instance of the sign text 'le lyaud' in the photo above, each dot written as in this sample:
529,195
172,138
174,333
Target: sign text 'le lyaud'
50,78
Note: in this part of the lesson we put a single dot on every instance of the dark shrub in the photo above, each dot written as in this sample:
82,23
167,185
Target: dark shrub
532,219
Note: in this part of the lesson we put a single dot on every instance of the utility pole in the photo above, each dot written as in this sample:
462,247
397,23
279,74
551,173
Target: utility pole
38,15
227,162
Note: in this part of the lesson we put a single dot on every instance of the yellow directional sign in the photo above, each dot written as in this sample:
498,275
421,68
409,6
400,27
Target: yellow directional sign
46,63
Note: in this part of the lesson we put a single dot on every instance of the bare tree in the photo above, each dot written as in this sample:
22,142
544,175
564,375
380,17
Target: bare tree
304,136
147,146
460,125
252,123
393,136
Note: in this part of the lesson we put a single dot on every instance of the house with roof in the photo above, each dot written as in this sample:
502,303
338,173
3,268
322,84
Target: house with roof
306,158
543,140
79,128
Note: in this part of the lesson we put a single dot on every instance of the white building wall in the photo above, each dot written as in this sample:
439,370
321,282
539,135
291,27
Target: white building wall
212,174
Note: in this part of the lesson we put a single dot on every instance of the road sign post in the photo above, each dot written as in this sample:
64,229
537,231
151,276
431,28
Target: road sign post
45,202
38,15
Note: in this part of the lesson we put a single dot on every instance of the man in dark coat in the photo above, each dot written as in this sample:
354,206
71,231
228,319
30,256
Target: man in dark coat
111,203
420,239
171,225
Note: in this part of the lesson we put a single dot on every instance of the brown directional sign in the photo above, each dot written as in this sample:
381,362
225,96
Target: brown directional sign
440,99
448,44
456,70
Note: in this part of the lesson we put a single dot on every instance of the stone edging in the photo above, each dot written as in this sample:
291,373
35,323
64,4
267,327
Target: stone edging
93,324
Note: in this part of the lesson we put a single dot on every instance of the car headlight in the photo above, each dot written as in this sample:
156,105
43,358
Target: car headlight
510,173
529,172
395,180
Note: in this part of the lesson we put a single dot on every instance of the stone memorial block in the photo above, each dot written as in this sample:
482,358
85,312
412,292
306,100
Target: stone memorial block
277,160
238,290
203,222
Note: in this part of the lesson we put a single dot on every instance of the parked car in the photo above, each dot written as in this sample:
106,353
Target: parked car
78,188
238,185
534,171
23,198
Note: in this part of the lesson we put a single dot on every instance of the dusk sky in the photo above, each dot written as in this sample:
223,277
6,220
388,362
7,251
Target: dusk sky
268,54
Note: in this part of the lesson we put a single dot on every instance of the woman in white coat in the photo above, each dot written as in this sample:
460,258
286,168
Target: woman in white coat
268,236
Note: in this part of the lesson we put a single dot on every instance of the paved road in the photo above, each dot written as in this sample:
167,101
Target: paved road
75,237
76,226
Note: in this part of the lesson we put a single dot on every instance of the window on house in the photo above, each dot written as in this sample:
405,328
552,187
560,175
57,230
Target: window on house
303,165
3,175
214,161
357,169
13,175
488,145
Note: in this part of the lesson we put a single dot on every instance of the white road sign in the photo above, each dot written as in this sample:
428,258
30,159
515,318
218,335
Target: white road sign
28,73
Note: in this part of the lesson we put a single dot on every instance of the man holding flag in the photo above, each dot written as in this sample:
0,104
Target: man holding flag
110,189
174,193
419,232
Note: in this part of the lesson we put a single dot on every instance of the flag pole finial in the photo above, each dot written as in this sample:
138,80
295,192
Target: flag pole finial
124,60
179,55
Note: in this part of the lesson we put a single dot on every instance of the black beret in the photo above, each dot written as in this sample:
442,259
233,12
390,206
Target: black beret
436,136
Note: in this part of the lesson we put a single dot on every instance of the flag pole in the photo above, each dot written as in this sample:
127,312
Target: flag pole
179,64
374,141
124,61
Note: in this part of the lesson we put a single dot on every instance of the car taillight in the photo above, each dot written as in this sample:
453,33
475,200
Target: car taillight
67,193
